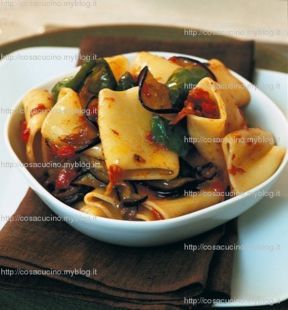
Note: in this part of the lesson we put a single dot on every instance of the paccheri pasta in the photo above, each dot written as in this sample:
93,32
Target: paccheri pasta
118,135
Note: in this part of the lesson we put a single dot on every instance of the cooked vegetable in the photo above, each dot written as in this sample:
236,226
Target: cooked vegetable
57,87
91,110
79,78
74,82
202,104
72,194
189,178
100,77
207,171
96,151
171,136
89,180
85,147
129,199
64,178
186,170
167,99
165,185
133,201
128,196
125,190
97,168
173,188
181,82
60,183
191,63
153,95
126,81
198,102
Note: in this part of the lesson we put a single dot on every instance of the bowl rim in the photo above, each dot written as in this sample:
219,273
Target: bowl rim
142,224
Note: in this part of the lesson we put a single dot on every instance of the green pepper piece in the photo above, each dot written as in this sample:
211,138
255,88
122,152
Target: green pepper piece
101,77
78,80
57,87
126,81
181,81
74,82
172,136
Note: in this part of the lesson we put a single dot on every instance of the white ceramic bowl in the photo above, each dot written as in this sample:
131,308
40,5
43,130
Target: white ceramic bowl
261,112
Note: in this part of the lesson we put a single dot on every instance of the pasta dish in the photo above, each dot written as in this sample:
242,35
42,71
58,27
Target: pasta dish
145,140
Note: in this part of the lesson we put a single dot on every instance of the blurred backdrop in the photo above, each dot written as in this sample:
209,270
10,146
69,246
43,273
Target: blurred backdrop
262,20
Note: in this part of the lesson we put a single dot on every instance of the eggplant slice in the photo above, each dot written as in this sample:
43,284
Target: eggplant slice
97,168
88,179
128,195
88,146
91,110
207,172
129,199
169,98
173,188
189,178
72,194
153,95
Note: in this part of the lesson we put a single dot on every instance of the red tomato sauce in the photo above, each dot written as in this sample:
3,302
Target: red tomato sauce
203,105
40,108
235,170
157,216
198,103
64,178
25,132
66,151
